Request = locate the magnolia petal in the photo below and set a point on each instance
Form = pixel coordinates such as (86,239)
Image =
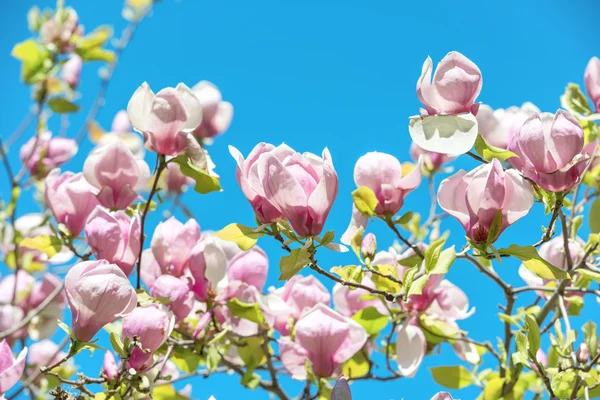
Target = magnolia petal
(192,106)
(139,106)
(445,134)
(410,349)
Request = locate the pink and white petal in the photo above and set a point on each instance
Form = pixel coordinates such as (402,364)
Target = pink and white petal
(445,134)
(144,175)
(410,349)
(192,105)
(518,196)
(325,192)
(168,116)
(566,138)
(280,186)
(222,119)
(139,106)
(451,197)
(293,358)
(425,91)
(356,222)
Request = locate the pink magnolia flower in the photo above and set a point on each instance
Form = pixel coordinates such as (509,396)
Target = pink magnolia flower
(341,390)
(71,70)
(280,182)
(442,396)
(150,269)
(250,267)
(592,81)
(456,84)
(61,32)
(410,349)
(216,113)
(165,119)
(117,173)
(114,237)
(326,338)
(98,293)
(421,302)
(583,353)
(348,301)
(121,133)
(24,285)
(541,358)
(172,244)
(11,369)
(177,291)
(110,367)
(550,149)
(368,246)
(175,181)
(382,173)
(120,123)
(45,323)
(203,322)
(430,159)
(70,198)
(300,293)
(208,266)
(11,315)
(450,303)
(46,153)
(475,197)
(152,325)
(45,353)
(497,127)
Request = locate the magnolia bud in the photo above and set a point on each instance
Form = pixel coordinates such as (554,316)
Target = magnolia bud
(583,354)
(368,247)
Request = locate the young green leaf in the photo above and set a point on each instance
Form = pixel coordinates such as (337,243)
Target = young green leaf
(249,311)
(291,264)
(456,377)
(371,319)
(489,152)
(365,200)
(239,234)
(534,262)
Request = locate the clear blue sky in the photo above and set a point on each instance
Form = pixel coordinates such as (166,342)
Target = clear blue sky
(340,74)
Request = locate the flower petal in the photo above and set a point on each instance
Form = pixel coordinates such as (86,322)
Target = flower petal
(445,134)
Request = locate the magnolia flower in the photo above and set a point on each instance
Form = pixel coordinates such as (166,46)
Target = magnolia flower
(368,246)
(172,244)
(150,270)
(165,119)
(152,325)
(175,181)
(60,29)
(114,237)
(44,153)
(442,396)
(117,173)
(497,127)
(450,303)
(71,70)
(70,198)
(10,316)
(44,324)
(23,286)
(592,81)
(550,150)
(474,199)
(110,367)
(324,337)
(98,293)
(250,267)
(216,114)
(45,353)
(11,369)
(121,133)
(280,182)
(177,291)
(382,173)
(349,301)
(208,266)
(410,349)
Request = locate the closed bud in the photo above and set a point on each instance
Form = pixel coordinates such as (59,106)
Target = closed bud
(368,248)
(583,353)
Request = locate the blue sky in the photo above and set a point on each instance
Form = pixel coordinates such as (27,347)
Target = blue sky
(340,74)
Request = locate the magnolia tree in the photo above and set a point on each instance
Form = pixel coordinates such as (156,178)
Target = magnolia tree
(179,303)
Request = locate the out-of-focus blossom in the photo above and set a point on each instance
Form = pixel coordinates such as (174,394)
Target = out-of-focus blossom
(59,30)
(349,301)
(216,113)
(497,127)
(180,297)
(42,154)
(474,199)
(250,267)
(451,303)
(172,244)
(592,81)
(11,369)
(117,173)
(71,70)
(175,181)
(121,133)
(430,159)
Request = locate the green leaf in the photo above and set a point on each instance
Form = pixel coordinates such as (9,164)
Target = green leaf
(250,351)
(365,200)
(205,183)
(357,366)
(350,273)
(383,283)
(432,254)
(117,344)
(408,278)
(98,37)
(97,54)
(417,286)
(594,217)
(164,392)
(521,356)
(49,245)
(404,219)
(456,377)
(212,358)
(590,337)
(445,261)
(495,228)
(493,389)
(436,330)
(35,58)
(186,360)
(356,241)
(292,264)
(239,234)
(371,319)
(533,334)
(60,105)
(67,330)
(250,379)
(490,152)
(249,311)
(534,262)
(577,222)
(574,100)
(562,384)
(327,238)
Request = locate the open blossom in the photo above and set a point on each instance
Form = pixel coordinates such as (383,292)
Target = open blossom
(324,337)
(280,182)
(115,237)
(300,294)
(216,113)
(180,297)
(498,126)
(442,396)
(550,149)
(592,81)
(456,84)
(250,267)
(11,369)
(98,293)
(431,159)
(474,199)
(451,303)
(152,325)
(71,70)
(70,198)
(44,154)
(172,244)
(382,173)
(117,173)
(165,119)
